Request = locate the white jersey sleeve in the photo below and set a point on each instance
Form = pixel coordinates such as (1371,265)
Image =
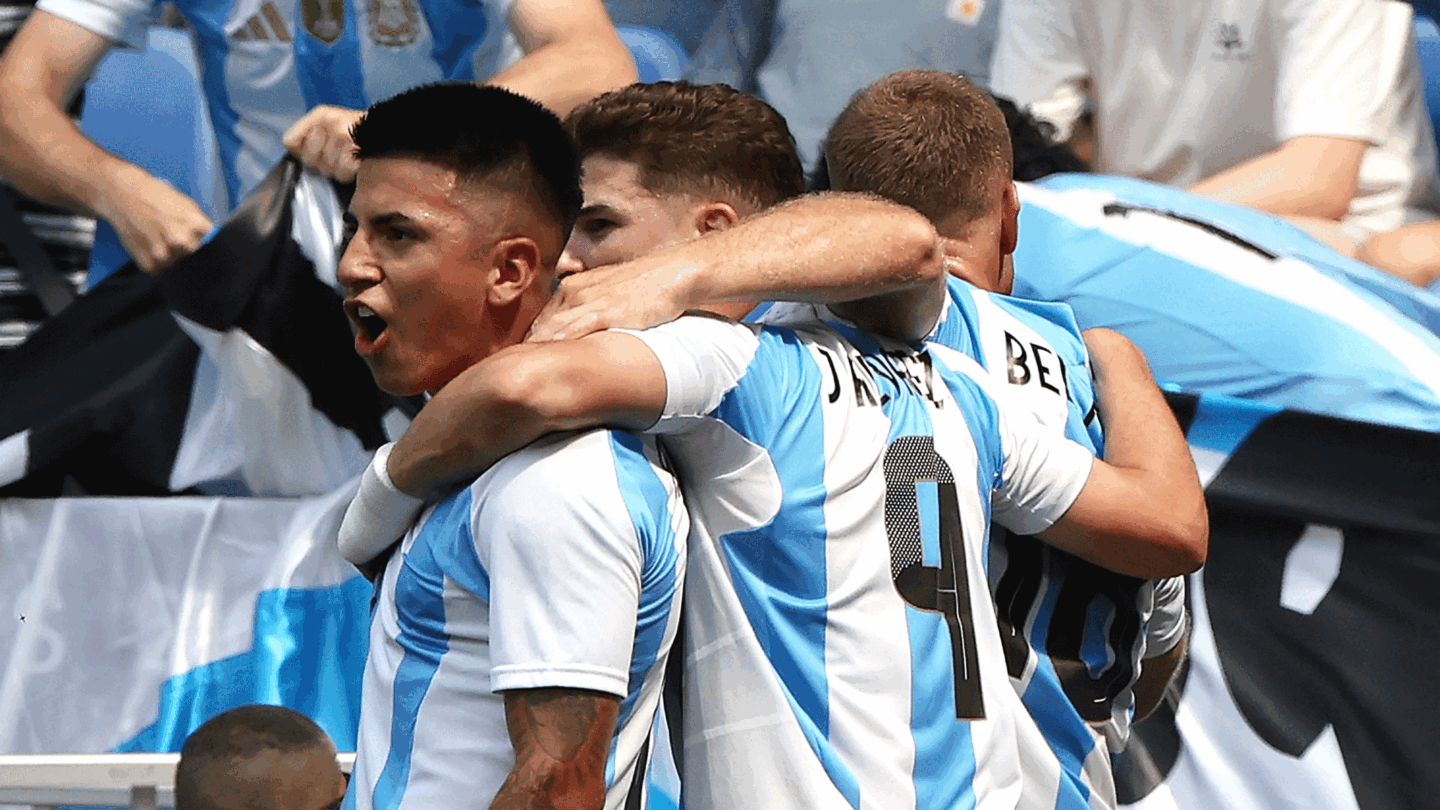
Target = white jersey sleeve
(1042,476)
(120,21)
(1166,623)
(703,358)
(564,568)
(1041,473)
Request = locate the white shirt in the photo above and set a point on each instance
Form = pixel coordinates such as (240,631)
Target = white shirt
(1184,90)
(265,63)
(820,476)
(560,567)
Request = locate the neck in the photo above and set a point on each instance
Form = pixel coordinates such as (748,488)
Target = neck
(973,252)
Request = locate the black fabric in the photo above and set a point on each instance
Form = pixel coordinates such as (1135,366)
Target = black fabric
(1329,470)
(105,386)
(1364,659)
(254,277)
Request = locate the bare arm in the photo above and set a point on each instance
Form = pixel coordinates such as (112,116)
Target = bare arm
(1308,175)
(44,155)
(572,53)
(561,739)
(1142,510)
(824,248)
(1155,677)
(516,396)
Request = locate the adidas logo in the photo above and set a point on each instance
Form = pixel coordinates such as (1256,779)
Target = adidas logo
(267,25)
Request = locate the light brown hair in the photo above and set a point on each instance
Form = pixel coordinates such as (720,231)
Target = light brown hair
(709,140)
(925,139)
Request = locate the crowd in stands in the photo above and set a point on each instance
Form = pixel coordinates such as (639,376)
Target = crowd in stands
(1248,193)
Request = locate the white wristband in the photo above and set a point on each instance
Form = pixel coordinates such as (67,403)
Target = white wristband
(1167,617)
(379,515)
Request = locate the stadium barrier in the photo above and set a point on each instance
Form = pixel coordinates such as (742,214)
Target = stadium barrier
(137,781)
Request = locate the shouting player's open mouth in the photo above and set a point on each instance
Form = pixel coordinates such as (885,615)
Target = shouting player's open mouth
(370,328)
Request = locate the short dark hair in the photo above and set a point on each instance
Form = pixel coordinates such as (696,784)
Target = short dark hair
(1037,154)
(922,138)
(239,734)
(486,134)
(688,138)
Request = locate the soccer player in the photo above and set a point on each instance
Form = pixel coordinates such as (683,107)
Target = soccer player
(935,143)
(522,627)
(841,643)
(278,75)
(258,758)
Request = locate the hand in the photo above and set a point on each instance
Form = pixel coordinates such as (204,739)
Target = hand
(157,225)
(629,295)
(321,140)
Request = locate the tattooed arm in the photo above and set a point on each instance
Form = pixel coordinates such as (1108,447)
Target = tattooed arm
(561,739)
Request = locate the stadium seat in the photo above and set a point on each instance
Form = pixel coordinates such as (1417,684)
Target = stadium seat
(1427,37)
(658,56)
(146,106)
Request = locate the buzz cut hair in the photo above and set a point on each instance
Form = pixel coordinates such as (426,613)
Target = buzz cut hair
(697,140)
(922,138)
(239,734)
(487,135)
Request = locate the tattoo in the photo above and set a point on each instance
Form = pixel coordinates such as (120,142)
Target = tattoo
(561,739)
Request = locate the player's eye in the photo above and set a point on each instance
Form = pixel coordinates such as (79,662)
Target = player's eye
(596,227)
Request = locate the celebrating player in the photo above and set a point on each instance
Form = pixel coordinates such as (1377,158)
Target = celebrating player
(522,628)
(841,642)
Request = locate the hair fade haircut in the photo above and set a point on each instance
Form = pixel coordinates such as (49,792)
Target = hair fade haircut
(694,139)
(486,134)
(239,734)
(923,138)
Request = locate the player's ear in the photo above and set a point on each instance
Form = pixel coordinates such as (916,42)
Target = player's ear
(714,216)
(1010,218)
(515,264)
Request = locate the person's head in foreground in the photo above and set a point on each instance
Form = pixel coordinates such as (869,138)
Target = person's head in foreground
(670,161)
(258,758)
(463,202)
(934,142)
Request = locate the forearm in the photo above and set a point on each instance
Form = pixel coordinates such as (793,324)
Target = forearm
(1311,176)
(42,152)
(1164,514)
(561,738)
(520,394)
(565,74)
(821,248)
(1155,676)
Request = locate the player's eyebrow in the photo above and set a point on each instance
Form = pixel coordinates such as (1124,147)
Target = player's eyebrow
(598,208)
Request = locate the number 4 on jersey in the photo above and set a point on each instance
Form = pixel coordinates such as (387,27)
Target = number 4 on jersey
(910,461)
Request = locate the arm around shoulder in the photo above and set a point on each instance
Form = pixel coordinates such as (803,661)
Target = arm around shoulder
(1142,510)
(518,395)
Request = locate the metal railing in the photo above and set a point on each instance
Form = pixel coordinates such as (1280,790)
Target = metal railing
(137,781)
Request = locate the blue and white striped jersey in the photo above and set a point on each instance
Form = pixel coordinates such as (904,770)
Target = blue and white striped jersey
(1073,667)
(841,650)
(1232,302)
(265,63)
(561,566)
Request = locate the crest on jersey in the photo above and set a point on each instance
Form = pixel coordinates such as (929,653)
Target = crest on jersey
(324,19)
(393,23)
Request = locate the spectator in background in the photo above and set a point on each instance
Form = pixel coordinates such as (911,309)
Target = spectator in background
(258,758)
(808,57)
(278,75)
(1309,109)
